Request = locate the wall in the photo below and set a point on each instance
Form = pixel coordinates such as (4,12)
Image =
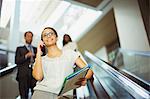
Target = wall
(130,25)
(102,34)
(144,7)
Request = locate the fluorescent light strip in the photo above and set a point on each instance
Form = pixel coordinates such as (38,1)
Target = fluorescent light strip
(57,14)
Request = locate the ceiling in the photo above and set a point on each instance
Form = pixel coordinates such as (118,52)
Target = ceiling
(74,17)
(93,3)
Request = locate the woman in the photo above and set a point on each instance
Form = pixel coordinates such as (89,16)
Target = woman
(51,69)
(68,43)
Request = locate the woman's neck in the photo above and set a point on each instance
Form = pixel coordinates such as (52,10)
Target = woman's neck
(54,51)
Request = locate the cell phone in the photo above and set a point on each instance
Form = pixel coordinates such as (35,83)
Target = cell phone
(43,49)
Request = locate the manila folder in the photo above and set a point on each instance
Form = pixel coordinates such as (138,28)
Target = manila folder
(71,80)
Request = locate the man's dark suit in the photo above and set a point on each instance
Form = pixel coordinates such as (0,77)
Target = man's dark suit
(24,74)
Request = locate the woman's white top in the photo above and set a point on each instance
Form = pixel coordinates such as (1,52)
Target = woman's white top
(70,45)
(55,70)
(73,46)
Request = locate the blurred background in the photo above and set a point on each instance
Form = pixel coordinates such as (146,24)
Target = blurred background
(116,31)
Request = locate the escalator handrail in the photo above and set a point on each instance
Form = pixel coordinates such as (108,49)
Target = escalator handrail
(7,68)
(131,52)
(123,71)
(136,77)
(133,88)
(2,71)
(6,50)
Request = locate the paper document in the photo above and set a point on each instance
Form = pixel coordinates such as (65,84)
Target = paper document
(71,80)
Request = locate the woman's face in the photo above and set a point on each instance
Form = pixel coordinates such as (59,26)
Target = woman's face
(49,37)
(66,38)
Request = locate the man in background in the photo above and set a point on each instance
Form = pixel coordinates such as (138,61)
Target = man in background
(24,58)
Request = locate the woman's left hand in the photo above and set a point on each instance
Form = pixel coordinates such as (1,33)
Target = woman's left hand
(82,82)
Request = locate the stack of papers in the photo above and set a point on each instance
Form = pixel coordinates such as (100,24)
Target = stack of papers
(71,80)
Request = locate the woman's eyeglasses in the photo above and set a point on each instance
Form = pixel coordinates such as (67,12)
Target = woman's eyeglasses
(48,34)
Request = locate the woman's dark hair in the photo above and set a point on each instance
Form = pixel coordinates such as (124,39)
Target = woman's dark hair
(65,42)
(28,32)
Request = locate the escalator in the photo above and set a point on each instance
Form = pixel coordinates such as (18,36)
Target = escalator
(135,63)
(111,82)
(8,83)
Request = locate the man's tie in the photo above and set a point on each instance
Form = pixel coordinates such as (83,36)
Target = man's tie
(31,59)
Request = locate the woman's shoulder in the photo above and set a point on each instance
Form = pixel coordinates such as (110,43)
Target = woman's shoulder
(68,52)
(73,44)
(70,45)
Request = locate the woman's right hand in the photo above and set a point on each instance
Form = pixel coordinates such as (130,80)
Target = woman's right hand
(40,45)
